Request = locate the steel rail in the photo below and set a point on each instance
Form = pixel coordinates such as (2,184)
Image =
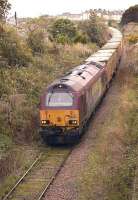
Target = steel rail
(22,178)
(54,176)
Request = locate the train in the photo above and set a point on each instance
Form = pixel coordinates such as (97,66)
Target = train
(68,103)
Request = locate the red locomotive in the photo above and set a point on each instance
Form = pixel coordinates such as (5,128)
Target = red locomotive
(68,103)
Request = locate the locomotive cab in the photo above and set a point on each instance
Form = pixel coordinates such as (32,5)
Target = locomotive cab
(59,114)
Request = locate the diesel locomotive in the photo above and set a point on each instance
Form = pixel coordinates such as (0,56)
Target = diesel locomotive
(67,104)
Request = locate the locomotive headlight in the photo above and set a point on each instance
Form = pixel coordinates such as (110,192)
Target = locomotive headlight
(73,122)
(45,122)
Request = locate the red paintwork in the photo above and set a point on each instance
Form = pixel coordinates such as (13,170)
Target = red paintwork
(75,83)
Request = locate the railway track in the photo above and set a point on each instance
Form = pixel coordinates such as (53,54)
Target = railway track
(36,181)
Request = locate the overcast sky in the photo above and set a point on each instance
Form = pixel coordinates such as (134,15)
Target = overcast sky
(32,8)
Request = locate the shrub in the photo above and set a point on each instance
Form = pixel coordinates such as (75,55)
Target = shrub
(130,15)
(133,38)
(63,39)
(13,48)
(81,38)
(63,31)
(36,41)
(95,30)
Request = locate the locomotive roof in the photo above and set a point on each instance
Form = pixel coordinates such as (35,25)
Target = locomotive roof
(116,35)
(107,50)
(115,39)
(112,45)
(114,31)
(98,58)
(101,56)
(104,54)
(77,79)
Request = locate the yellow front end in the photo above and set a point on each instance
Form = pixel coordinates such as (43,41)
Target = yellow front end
(60,118)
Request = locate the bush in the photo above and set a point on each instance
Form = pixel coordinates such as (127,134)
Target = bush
(95,30)
(63,31)
(133,39)
(63,39)
(130,15)
(81,38)
(36,41)
(13,48)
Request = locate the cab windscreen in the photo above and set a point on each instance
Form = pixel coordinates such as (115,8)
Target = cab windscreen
(59,99)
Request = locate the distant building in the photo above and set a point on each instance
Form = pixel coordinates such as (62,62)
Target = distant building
(85,15)
(71,16)
(105,14)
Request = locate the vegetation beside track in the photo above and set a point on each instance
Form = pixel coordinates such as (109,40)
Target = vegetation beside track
(47,162)
(30,59)
(111,166)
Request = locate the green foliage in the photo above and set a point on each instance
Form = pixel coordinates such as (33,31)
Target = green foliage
(130,15)
(13,48)
(5,142)
(63,31)
(4,7)
(36,41)
(133,38)
(81,38)
(95,30)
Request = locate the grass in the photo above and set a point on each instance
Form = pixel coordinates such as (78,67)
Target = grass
(5,143)
(7,185)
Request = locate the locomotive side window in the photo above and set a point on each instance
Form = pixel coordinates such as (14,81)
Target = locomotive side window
(59,99)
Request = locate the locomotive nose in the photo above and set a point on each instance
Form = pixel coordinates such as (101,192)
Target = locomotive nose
(59,118)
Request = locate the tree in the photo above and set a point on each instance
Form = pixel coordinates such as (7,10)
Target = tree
(63,31)
(95,29)
(4,7)
(130,15)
